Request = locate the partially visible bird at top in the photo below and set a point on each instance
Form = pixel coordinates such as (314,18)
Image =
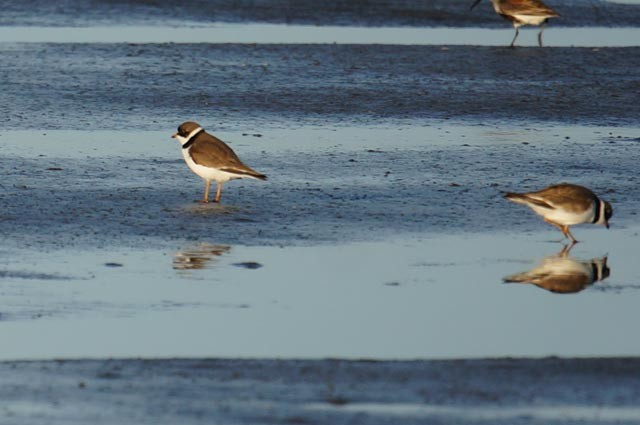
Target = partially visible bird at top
(523,12)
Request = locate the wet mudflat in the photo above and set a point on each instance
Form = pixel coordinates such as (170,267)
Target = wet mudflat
(332,12)
(585,391)
(73,189)
(152,86)
(380,234)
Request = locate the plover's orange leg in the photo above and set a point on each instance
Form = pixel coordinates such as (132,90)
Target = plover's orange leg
(559,226)
(567,233)
(515,36)
(540,35)
(205,198)
(218,193)
(566,250)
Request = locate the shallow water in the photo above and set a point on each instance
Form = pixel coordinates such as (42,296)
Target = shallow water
(492,414)
(253,33)
(428,296)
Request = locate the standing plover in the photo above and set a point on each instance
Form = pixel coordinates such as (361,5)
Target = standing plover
(211,158)
(564,205)
(523,12)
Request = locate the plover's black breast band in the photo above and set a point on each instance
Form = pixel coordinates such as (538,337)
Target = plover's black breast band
(595,272)
(191,140)
(596,216)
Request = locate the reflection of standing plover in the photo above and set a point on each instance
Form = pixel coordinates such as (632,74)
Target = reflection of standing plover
(198,257)
(564,205)
(211,159)
(523,12)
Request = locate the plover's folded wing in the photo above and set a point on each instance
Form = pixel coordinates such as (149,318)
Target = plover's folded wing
(553,281)
(527,199)
(566,196)
(209,151)
(527,7)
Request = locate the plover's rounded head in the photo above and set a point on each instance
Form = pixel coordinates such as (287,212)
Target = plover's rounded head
(186,128)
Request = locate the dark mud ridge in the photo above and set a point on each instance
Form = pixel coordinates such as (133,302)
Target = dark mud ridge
(503,391)
(331,12)
(146,87)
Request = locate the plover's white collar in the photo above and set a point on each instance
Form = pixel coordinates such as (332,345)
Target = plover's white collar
(184,140)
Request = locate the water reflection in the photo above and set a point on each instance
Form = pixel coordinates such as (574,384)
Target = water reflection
(562,274)
(198,257)
(197,208)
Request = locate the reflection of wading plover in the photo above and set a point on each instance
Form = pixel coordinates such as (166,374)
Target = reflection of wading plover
(564,205)
(211,159)
(562,274)
(523,12)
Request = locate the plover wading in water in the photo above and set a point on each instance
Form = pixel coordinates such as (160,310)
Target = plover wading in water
(564,205)
(523,12)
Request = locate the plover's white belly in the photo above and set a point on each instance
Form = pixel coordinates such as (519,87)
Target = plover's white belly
(207,173)
(567,218)
(530,20)
(564,266)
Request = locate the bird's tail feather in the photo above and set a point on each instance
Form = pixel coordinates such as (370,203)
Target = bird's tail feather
(517,278)
(518,198)
(248,173)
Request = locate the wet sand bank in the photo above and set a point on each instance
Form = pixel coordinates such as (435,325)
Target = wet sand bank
(500,391)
